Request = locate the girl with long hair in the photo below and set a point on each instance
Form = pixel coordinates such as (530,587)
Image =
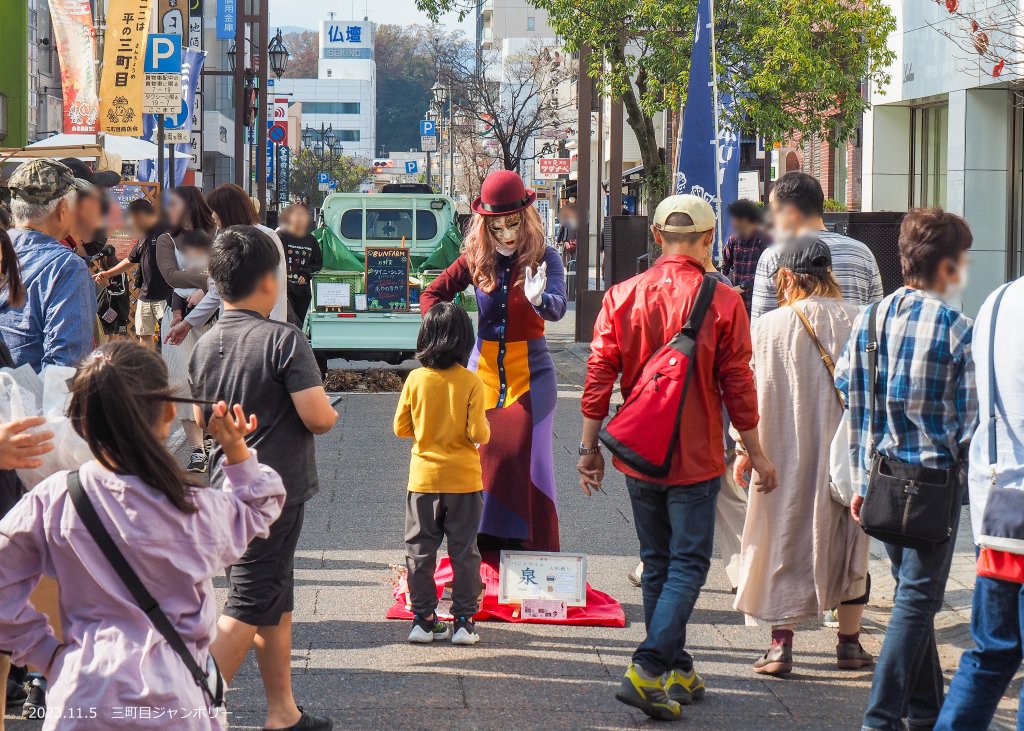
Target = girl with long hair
(232,206)
(520,284)
(186,210)
(174,534)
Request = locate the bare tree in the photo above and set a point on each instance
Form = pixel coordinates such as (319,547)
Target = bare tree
(475,156)
(513,96)
(990,34)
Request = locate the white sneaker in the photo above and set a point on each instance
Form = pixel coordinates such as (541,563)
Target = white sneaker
(465,632)
(636,575)
(425,631)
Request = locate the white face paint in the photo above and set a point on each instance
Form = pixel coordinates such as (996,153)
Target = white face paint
(504,231)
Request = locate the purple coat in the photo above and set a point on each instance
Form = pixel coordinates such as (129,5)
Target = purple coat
(117,670)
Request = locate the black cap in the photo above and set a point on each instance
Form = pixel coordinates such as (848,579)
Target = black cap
(106,179)
(807,254)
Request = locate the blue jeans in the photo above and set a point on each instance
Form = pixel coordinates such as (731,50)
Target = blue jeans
(676,528)
(908,680)
(987,669)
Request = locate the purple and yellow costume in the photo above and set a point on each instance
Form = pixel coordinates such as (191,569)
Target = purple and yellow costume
(511,357)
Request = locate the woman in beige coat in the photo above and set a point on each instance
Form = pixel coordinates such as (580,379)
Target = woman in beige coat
(802,553)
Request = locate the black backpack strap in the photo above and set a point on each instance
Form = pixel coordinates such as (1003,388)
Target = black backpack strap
(86,511)
(705,294)
(992,390)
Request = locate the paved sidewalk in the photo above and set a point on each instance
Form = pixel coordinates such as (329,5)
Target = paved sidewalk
(352,664)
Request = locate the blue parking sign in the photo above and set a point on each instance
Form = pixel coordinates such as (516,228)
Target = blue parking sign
(412,167)
(323,178)
(333,185)
(163,54)
(428,128)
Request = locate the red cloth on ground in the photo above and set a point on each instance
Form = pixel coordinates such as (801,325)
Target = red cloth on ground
(601,610)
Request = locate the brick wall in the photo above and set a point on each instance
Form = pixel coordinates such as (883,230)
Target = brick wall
(816,156)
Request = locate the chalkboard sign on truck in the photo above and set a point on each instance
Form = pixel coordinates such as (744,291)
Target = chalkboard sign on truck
(387,279)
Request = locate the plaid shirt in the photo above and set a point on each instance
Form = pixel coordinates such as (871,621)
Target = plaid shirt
(739,262)
(853,266)
(925,382)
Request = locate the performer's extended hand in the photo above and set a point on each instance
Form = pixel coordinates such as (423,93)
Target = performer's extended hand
(591,469)
(536,283)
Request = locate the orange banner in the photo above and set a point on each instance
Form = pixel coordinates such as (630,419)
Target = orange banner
(124,54)
(76,47)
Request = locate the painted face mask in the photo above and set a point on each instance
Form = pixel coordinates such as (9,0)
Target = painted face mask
(505,231)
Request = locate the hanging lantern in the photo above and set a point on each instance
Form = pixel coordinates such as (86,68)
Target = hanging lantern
(952,5)
(998,68)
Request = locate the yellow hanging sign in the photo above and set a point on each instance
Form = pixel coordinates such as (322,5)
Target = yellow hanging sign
(124,55)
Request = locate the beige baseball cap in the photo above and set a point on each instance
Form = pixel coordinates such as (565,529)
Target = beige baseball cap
(698,209)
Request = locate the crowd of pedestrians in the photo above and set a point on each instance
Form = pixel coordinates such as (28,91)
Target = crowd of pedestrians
(827,384)
(814,412)
(211,281)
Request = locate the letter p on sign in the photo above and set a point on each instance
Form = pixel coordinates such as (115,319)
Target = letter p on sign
(163,54)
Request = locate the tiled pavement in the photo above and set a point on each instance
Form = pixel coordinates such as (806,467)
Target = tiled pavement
(352,664)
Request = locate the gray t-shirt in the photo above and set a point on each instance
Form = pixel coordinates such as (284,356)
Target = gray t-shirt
(259,363)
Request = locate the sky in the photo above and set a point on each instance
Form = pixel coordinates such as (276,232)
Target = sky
(309,13)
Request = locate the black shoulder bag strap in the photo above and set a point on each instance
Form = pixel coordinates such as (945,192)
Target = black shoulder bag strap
(705,294)
(992,389)
(87,512)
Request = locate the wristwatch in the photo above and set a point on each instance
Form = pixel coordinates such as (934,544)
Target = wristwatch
(585,450)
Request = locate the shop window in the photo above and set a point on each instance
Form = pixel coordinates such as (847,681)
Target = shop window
(928,165)
(839,173)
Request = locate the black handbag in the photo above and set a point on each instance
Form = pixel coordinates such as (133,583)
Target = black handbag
(906,505)
(210,681)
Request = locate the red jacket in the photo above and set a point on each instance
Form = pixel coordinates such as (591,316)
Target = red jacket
(639,316)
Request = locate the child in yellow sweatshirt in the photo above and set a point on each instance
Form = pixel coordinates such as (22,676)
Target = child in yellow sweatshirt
(442,409)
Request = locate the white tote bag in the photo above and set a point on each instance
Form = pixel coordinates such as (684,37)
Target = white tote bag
(840,479)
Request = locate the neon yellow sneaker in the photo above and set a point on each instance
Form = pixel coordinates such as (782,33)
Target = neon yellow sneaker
(647,695)
(684,688)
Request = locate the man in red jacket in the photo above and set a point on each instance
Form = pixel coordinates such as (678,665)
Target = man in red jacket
(675,514)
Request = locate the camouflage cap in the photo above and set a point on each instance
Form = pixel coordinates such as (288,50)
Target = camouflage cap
(44,180)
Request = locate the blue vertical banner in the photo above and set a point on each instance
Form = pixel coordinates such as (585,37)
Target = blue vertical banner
(707,162)
(227,19)
(192,61)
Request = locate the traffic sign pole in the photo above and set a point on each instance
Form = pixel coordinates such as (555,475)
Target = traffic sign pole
(160,148)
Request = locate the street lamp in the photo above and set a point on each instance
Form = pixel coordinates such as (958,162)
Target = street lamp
(438,93)
(278,54)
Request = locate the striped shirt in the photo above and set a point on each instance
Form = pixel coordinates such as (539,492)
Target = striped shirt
(925,383)
(853,266)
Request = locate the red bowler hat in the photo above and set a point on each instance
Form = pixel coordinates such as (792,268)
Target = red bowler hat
(502,193)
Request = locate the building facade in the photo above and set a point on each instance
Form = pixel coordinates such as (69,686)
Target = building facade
(497,20)
(344,94)
(947,132)
(31,102)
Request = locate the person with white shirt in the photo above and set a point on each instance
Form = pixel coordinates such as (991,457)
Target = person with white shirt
(798,207)
(997,613)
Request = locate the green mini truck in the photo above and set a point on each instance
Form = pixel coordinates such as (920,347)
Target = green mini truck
(380,251)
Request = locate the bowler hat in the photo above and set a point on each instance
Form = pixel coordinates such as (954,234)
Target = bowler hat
(502,193)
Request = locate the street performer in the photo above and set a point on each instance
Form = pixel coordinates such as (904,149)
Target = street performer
(520,284)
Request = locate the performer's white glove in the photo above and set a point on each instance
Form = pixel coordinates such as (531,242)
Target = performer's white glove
(536,283)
